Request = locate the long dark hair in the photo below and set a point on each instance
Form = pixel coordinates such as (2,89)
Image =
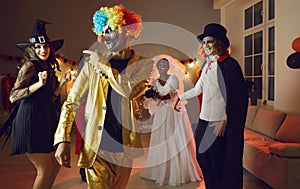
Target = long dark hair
(219,47)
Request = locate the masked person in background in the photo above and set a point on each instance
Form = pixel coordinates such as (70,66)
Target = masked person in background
(36,93)
(220,130)
(105,83)
(171,157)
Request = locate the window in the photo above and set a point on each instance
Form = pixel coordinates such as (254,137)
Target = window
(259,49)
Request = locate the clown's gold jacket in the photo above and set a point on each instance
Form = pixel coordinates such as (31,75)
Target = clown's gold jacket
(90,89)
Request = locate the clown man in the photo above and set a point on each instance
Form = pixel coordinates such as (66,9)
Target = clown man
(106,84)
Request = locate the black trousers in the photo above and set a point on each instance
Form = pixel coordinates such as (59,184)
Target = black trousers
(210,155)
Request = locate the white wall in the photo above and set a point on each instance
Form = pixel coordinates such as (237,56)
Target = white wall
(287,28)
(232,19)
(287,83)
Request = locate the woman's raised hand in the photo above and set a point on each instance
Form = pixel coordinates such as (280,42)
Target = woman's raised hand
(42,77)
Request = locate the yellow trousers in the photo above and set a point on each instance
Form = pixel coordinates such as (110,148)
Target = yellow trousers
(109,171)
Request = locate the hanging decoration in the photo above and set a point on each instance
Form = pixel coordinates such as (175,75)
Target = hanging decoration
(187,61)
(20,59)
(11,58)
(67,61)
(296,44)
(293,60)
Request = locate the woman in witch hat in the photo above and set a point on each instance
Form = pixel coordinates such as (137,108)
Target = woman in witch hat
(36,91)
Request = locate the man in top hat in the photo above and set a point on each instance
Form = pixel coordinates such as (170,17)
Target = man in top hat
(106,85)
(220,130)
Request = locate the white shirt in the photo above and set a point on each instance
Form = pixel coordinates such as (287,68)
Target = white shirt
(213,104)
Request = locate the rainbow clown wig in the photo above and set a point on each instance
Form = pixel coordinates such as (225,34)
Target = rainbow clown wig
(117,17)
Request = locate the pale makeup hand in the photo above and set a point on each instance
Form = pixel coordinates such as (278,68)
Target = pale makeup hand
(220,127)
(96,57)
(99,61)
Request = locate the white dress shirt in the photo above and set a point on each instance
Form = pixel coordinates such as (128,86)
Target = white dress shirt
(213,104)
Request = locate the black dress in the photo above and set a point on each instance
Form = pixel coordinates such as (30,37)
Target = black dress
(36,120)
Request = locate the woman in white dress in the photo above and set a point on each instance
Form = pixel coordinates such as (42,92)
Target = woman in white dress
(172,153)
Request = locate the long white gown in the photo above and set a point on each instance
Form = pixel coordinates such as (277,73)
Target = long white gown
(172,153)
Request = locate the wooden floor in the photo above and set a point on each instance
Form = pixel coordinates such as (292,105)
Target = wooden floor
(16,172)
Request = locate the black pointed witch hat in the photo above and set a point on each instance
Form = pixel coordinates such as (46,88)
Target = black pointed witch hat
(39,35)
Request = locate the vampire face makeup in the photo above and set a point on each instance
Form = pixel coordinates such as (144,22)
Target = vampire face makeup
(208,45)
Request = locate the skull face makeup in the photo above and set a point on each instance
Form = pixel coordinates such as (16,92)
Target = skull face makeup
(163,66)
(113,40)
(208,45)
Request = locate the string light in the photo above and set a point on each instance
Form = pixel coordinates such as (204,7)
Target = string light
(58,58)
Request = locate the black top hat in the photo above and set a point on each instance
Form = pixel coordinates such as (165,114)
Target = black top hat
(39,35)
(215,30)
